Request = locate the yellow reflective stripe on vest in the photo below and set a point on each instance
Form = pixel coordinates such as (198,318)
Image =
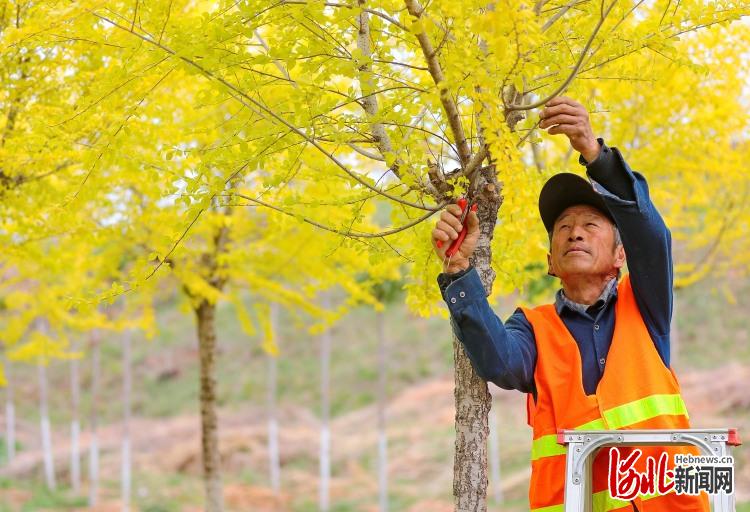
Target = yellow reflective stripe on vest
(616,418)
(644,409)
(602,501)
(552,508)
(597,424)
(546,446)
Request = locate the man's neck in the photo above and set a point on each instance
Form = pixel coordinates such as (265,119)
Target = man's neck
(587,289)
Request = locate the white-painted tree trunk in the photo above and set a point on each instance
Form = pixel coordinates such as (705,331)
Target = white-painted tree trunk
(325,409)
(10,414)
(75,426)
(94,420)
(674,337)
(274,463)
(127,392)
(46,430)
(382,401)
(495,454)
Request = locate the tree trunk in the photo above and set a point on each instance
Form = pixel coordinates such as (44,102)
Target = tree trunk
(382,401)
(472,397)
(94,421)
(75,427)
(49,463)
(495,455)
(10,414)
(127,387)
(273,424)
(325,407)
(206,323)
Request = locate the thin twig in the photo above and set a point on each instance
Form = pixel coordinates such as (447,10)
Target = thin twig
(244,98)
(350,233)
(574,72)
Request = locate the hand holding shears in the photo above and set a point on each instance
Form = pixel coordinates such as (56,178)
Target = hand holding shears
(458,226)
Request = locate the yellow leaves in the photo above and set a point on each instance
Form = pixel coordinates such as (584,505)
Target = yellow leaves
(40,348)
(246,322)
(269,346)
(147,145)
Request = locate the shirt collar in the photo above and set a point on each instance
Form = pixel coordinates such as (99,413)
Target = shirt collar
(609,292)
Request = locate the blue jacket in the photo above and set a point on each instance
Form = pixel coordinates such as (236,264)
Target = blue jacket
(505,354)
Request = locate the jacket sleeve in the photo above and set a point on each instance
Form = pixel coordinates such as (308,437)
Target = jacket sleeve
(504,354)
(645,237)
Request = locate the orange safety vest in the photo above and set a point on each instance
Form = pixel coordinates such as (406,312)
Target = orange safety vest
(636,391)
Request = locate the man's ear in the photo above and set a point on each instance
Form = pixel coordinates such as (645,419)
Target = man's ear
(549,266)
(619,257)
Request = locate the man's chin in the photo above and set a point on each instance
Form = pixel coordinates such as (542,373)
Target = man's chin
(574,270)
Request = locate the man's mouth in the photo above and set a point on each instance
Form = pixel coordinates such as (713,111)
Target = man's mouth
(576,250)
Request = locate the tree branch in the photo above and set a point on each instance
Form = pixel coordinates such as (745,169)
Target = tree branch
(559,14)
(451,110)
(350,6)
(368,87)
(349,233)
(247,100)
(574,72)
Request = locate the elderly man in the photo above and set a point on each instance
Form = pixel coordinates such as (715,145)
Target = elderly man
(598,358)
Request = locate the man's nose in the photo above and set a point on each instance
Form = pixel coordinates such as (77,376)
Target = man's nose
(576,234)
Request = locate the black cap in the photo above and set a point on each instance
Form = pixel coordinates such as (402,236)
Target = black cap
(563,191)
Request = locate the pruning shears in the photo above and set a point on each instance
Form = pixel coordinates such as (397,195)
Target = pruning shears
(467,205)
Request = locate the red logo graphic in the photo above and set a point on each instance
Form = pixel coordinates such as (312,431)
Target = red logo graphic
(626,483)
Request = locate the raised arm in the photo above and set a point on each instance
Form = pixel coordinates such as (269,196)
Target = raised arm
(645,237)
(647,240)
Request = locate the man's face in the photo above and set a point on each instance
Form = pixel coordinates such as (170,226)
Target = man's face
(583,245)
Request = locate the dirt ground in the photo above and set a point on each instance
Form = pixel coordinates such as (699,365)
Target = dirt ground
(420,423)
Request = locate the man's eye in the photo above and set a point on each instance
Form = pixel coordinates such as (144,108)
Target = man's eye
(592,224)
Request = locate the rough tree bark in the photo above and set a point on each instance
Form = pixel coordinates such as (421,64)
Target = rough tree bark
(205,315)
(473,400)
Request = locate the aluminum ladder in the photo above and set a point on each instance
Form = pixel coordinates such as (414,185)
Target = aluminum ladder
(583,445)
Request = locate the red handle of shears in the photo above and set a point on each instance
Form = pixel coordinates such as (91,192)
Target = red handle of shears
(462,234)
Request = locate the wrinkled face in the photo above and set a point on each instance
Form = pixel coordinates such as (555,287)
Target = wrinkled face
(583,244)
